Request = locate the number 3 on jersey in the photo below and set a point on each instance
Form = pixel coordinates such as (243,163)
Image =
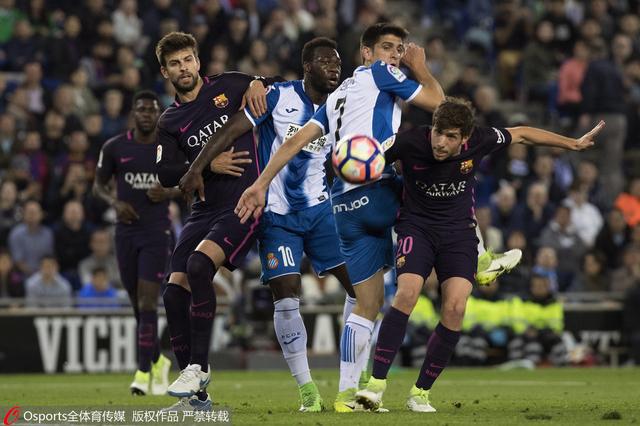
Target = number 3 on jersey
(287,256)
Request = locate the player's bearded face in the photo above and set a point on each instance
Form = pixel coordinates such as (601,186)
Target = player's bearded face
(446,143)
(182,69)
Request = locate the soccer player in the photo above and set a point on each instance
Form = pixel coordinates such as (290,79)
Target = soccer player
(298,212)
(436,229)
(212,236)
(142,231)
(367,103)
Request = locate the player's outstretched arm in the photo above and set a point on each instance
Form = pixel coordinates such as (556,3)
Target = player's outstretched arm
(535,136)
(431,94)
(253,199)
(192,180)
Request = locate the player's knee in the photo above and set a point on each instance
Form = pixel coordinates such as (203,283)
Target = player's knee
(148,303)
(200,266)
(453,310)
(285,287)
(406,298)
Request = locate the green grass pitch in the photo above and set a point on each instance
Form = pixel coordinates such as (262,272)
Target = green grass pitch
(569,396)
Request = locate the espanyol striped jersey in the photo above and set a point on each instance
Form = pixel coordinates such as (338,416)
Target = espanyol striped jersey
(368,103)
(302,182)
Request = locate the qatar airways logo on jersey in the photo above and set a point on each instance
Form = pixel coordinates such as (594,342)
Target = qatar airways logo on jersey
(141,180)
(443,189)
(203,134)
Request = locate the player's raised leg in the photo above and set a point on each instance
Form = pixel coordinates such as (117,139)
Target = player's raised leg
(491,265)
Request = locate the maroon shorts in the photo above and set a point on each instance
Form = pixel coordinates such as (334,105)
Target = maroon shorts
(142,255)
(451,253)
(221,227)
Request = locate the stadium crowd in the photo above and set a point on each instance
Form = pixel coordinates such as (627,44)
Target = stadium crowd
(69,71)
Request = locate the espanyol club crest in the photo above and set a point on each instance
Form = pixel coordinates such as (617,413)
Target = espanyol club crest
(221,101)
(466,166)
(272,261)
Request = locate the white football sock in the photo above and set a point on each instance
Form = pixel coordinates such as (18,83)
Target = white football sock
(292,336)
(354,350)
(349,304)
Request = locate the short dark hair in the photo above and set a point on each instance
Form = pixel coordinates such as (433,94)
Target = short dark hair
(454,113)
(371,35)
(145,94)
(99,270)
(309,48)
(174,42)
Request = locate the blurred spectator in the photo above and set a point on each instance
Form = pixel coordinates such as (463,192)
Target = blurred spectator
(7,140)
(443,67)
(84,102)
(629,203)
(30,241)
(18,107)
(514,167)
(236,40)
(9,15)
(113,122)
(598,11)
(101,257)
(64,51)
(485,99)
(165,9)
(64,104)
(91,14)
(38,161)
(570,79)
(587,176)
(47,288)
(503,205)
(585,217)
(562,236)
(544,173)
(257,55)
(127,26)
(630,26)
(515,282)
(613,237)
(466,84)
(627,276)
(11,279)
(539,338)
(32,83)
(71,241)
(539,64)
(564,32)
(10,211)
(546,265)
(491,235)
(23,47)
(53,132)
(98,292)
(512,29)
(535,213)
(592,275)
(602,92)
(93,129)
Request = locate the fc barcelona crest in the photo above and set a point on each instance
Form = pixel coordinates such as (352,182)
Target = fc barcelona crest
(466,166)
(221,101)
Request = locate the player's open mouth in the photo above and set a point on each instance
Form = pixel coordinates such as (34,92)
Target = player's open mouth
(333,78)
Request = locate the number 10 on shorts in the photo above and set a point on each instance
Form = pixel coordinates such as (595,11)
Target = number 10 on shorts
(287,256)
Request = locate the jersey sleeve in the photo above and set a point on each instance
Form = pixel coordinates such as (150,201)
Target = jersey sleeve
(273,95)
(170,160)
(392,80)
(106,164)
(320,119)
(492,139)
